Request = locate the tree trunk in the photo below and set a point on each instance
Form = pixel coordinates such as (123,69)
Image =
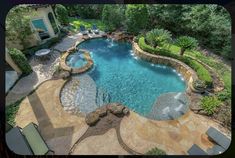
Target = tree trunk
(182,51)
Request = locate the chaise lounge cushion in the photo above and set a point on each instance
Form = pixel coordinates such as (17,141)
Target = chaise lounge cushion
(17,143)
(35,140)
(196,150)
(218,137)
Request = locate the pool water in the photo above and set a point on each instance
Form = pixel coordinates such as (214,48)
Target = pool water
(76,60)
(128,79)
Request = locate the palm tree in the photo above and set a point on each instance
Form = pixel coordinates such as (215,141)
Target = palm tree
(186,43)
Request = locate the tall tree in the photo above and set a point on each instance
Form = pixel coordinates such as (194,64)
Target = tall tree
(136,17)
(18,24)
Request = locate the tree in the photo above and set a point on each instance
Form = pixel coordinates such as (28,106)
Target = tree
(89,11)
(158,37)
(113,16)
(62,14)
(136,17)
(186,43)
(18,24)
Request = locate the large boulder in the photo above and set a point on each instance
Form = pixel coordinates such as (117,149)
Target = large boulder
(102,111)
(115,108)
(92,118)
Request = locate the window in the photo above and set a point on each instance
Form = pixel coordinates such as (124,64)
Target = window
(41,28)
(53,23)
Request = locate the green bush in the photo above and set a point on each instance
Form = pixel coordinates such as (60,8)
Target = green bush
(224,95)
(158,37)
(209,104)
(202,72)
(11,111)
(186,43)
(20,59)
(62,14)
(155,151)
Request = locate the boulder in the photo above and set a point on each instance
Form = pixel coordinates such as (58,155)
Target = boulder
(92,118)
(65,74)
(125,111)
(102,111)
(115,108)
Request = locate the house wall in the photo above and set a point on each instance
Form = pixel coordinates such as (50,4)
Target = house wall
(34,39)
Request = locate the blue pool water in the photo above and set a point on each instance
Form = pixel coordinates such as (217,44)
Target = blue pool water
(128,79)
(76,60)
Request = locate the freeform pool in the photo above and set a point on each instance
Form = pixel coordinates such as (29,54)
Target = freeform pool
(126,78)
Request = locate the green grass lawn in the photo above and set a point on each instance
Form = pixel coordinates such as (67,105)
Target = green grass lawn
(76,23)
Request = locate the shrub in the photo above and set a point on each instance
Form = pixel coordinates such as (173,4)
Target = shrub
(158,37)
(11,111)
(20,59)
(155,151)
(224,95)
(202,72)
(186,43)
(62,14)
(199,84)
(209,104)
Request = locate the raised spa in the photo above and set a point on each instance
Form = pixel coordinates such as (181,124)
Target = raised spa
(127,79)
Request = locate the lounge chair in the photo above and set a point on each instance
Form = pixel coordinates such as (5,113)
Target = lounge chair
(83,30)
(95,29)
(215,150)
(196,150)
(218,138)
(27,141)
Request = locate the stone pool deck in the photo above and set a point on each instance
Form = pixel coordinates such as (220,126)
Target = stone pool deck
(61,130)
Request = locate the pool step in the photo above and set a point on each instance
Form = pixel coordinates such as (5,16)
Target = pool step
(102,97)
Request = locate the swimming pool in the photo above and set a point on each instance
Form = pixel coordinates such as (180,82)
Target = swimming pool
(128,79)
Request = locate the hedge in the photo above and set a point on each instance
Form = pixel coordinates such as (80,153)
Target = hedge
(202,72)
(20,60)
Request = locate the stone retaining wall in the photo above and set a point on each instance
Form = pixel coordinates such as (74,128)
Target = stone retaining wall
(187,72)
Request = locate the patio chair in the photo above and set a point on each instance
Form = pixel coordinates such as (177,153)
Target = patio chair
(83,30)
(27,141)
(218,137)
(196,150)
(95,29)
(215,150)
